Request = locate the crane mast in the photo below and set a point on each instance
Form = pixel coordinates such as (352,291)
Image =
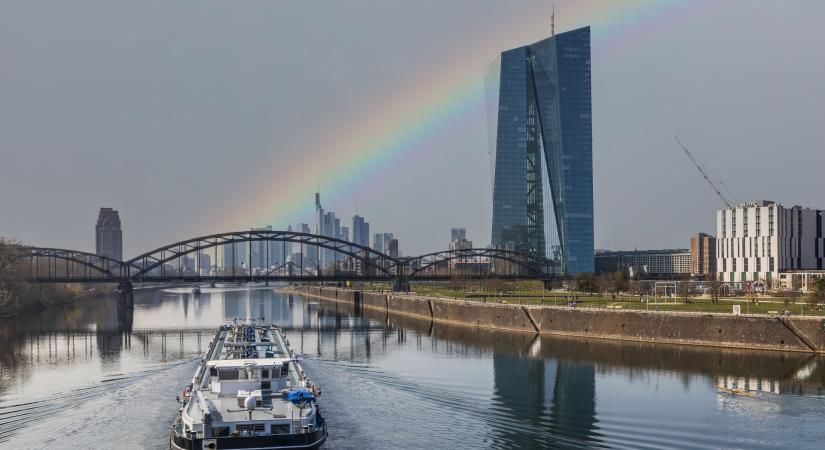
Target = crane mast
(704,175)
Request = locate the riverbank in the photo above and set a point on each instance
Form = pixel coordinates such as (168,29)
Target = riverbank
(762,332)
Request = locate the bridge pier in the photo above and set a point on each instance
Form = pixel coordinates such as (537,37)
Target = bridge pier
(126,297)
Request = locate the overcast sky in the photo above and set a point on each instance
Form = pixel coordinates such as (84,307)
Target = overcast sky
(175,113)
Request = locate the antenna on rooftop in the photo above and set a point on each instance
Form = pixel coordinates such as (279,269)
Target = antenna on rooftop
(553,21)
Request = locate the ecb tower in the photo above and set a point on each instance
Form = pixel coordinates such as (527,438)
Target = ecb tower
(542,156)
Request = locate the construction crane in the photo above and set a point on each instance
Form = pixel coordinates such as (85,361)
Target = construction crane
(702,171)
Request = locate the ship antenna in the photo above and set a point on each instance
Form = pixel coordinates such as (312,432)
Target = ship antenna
(553,21)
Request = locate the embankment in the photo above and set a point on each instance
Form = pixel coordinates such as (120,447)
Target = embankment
(762,332)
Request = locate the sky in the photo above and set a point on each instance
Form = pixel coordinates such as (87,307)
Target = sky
(199,117)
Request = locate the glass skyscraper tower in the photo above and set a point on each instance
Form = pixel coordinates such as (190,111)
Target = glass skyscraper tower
(543,155)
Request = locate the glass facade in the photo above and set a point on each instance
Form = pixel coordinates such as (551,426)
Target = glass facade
(543,156)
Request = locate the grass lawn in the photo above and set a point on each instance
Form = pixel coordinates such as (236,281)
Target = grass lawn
(763,305)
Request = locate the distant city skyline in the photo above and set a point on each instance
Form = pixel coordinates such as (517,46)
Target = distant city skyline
(183,144)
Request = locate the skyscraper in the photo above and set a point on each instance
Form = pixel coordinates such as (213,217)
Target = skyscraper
(108,234)
(378,242)
(360,231)
(391,248)
(458,234)
(543,158)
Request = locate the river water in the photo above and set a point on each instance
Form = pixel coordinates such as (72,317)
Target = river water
(93,375)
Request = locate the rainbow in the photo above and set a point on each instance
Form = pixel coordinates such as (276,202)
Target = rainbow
(368,142)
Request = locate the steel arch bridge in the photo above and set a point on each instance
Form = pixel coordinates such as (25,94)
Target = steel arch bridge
(167,264)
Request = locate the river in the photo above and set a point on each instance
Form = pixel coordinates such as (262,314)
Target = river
(96,375)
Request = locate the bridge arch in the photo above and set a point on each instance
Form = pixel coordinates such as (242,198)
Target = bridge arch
(108,268)
(158,258)
(535,265)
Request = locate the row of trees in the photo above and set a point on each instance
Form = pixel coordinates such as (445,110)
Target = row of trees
(612,283)
(18,295)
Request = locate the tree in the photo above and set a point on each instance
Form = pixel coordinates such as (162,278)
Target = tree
(817,295)
(715,288)
(585,282)
(683,290)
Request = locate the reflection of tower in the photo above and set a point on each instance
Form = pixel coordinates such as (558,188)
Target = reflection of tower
(108,329)
(574,402)
(545,397)
(519,389)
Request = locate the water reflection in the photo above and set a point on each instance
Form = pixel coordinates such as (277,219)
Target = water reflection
(388,377)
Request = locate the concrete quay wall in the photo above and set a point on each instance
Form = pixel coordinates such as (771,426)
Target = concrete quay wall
(715,330)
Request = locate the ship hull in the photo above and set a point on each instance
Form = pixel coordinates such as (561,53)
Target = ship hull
(307,441)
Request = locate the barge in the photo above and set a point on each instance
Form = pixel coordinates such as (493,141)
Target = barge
(249,392)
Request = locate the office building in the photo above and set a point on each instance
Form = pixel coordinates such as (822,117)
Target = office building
(378,242)
(344,234)
(703,255)
(458,239)
(391,248)
(764,242)
(260,251)
(543,155)
(108,234)
(360,231)
(667,263)
(458,234)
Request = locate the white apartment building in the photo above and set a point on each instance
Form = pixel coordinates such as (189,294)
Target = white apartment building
(758,241)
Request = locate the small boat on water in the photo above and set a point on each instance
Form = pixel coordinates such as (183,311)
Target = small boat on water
(249,392)
(196,290)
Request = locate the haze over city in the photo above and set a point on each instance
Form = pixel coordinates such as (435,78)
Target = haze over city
(199,117)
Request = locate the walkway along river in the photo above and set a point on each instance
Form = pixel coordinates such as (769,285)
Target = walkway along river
(93,374)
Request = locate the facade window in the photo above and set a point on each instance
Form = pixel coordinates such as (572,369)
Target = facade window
(758,221)
(745,222)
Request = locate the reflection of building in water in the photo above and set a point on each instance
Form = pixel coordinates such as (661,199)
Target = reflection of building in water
(544,397)
(113,327)
(749,384)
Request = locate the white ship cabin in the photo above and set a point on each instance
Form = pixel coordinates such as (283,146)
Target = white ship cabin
(237,393)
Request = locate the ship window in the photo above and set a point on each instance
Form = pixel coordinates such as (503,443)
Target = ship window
(213,371)
(280,429)
(228,375)
(264,373)
(284,369)
(220,431)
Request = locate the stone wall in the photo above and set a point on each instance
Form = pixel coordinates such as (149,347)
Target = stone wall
(715,330)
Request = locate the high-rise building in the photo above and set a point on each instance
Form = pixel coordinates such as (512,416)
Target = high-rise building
(458,234)
(360,231)
(543,155)
(235,255)
(205,264)
(260,251)
(108,234)
(378,242)
(703,255)
(391,248)
(764,241)
(311,253)
(345,234)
